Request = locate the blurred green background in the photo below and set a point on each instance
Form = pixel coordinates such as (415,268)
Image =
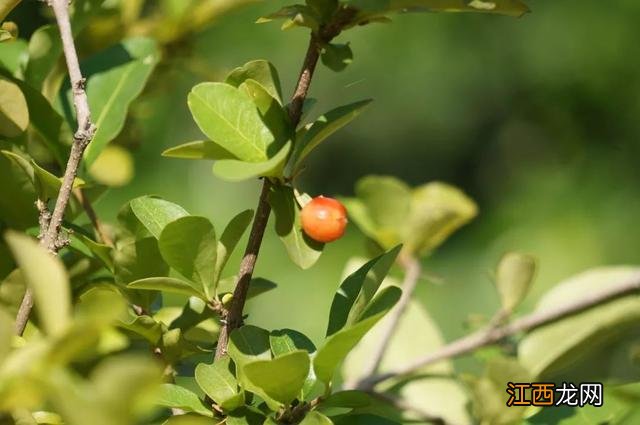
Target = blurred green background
(537,119)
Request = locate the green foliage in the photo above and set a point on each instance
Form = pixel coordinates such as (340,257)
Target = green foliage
(389,212)
(514,276)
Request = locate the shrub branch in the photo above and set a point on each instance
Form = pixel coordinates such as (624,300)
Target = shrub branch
(495,334)
(50,237)
(233,317)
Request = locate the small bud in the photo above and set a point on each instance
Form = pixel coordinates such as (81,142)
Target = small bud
(226,299)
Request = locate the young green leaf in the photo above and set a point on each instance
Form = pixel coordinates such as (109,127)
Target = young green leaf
(46,276)
(338,345)
(47,185)
(230,118)
(115,77)
(200,149)
(178,397)
(336,57)
(262,72)
(257,286)
(297,15)
(514,276)
(155,213)
(302,250)
(324,127)
(169,284)
(234,170)
(230,238)
(218,381)
(14,113)
(272,113)
(146,327)
(285,341)
(282,377)
(189,245)
(357,290)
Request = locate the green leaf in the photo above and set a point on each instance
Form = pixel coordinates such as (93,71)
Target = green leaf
(514,276)
(363,420)
(595,345)
(285,341)
(281,378)
(437,210)
(115,77)
(324,127)
(316,418)
(114,167)
(297,15)
(146,327)
(249,343)
(17,193)
(155,213)
(6,6)
(169,284)
(138,259)
(230,238)
(350,399)
(357,290)
(47,185)
(46,277)
(302,250)
(96,250)
(257,286)
(218,381)
(229,117)
(274,116)
(246,416)
(175,396)
(14,113)
(262,72)
(338,345)
(189,245)
(234,170)
(337,57)
(201,149)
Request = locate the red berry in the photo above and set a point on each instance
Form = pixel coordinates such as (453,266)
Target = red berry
(324,219)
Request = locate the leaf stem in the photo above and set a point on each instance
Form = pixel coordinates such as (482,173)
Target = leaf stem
(494,334)
(51,238)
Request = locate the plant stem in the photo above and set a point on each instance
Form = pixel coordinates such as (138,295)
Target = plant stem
(493,335)
(51,239)
(233,318)
(413,270)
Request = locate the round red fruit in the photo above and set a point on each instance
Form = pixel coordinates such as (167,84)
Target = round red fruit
(324,219)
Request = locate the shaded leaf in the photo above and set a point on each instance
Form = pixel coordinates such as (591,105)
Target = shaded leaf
(230,238)
(188,244)
(262,72)
(169,284)
(302,250)
(337,56)
(316,418)
(235,170)
(257,286)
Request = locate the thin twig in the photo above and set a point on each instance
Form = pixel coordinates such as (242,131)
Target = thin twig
(51,238)
(400,404)
(413,270)
(233,317)
(528,323)
(103,236)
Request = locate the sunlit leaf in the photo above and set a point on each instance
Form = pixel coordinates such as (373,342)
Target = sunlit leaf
(218,381)
(14,113)
(155,213)
(169,284)
(235,170)
(282,377)
(261,71)
(514,276)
